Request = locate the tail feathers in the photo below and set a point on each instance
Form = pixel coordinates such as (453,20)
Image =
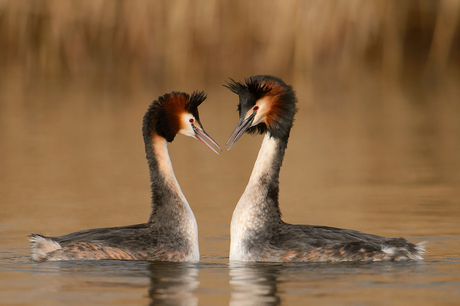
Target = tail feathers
(399,249)
(42,246)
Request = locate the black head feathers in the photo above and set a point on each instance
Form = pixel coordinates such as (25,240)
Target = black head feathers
(162,117)
(281,107)
(250,87)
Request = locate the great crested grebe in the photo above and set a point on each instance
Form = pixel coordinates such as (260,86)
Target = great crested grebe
(267,106)
(171,233)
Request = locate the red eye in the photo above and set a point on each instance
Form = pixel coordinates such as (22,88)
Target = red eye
(191,120)
(255,108)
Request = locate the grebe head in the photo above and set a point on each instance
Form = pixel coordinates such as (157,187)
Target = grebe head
(177,113)
(266,104)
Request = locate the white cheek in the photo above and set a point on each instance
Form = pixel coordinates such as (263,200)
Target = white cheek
(186,125)
(258,119)
(263,105)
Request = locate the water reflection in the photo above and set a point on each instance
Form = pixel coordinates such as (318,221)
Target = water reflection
(310,283)
(73,159)
(173,284)
(254,284)
(159,283)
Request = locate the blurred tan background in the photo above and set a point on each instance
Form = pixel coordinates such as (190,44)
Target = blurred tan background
(190,43)
(375,145)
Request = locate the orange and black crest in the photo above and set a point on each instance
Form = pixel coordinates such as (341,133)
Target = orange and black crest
(163,115)
(282,106)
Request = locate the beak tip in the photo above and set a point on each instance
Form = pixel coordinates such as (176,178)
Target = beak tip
(240,129)
(202,136)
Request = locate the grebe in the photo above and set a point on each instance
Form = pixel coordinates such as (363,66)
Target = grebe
(267,106)
(171,233)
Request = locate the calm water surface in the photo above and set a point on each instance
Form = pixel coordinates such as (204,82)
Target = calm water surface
(384,161)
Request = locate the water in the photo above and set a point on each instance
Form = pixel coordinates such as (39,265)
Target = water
(379,161)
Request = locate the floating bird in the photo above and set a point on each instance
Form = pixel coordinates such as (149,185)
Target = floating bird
(171,233)
(267,106)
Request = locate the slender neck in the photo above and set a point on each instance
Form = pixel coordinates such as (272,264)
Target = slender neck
(263,188)
(167,196)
